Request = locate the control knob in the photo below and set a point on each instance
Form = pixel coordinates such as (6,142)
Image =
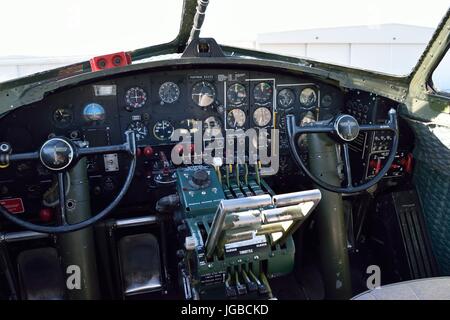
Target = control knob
(200,178)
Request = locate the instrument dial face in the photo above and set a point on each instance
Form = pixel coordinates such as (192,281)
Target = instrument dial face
(327,100)
(262,116)
(212,125)
(286,98)
(135,98)
(93,112)
(308,98)
(63,117)
(163,130)
(203,93)
(236,118)
(139,128)
(188,125)
(169,92)
(262,92)
(236,94)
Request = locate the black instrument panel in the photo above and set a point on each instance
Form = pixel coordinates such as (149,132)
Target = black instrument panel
(155,104)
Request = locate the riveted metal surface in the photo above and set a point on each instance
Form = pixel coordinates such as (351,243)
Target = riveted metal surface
(434,192)
(432,179)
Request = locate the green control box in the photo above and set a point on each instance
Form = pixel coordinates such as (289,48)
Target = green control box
(199,189)
(243,270)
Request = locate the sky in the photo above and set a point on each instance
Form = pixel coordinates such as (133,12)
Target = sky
(83,27)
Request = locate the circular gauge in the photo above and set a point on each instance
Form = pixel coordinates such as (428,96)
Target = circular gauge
(286,98)
(163,130)
(62,117)
(94,112)
(189,125)
(169,92)
(262,92)
(212,125)
(139,128)
(135,98)
(203,93)
(262,116)
(308,97)
(236,94)
(236,118)
(326,101)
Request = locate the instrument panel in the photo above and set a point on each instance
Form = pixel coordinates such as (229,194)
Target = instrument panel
(155,104)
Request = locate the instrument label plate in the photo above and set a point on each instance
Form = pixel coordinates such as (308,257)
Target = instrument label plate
(13,205)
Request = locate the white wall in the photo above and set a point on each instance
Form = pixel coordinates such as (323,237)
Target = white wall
(290,49)
(388,58)
(388,48)
(397,59)
(338,53)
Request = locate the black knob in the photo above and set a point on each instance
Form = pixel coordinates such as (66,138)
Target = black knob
(200,177)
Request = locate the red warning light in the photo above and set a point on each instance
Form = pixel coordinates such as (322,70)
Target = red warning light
(109,61)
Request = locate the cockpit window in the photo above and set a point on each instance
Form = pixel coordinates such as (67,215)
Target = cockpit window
(383,35)
(441,76)
(45,34)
